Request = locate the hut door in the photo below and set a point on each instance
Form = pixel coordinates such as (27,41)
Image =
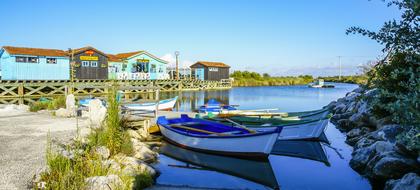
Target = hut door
(199,74)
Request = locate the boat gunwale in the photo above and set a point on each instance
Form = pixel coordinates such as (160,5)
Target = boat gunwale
(247,135)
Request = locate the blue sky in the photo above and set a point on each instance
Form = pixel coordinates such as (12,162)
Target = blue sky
(280,37)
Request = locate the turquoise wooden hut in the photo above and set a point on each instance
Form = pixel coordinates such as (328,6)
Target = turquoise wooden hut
(21,63)
(136,65)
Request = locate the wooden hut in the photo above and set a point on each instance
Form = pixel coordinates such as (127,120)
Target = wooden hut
(22,63)
(136,65)
(89,63)
(204,70)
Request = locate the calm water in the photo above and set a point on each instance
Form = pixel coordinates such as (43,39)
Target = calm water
(314,165)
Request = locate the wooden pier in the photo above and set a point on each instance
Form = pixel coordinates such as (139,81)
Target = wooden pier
(29,91)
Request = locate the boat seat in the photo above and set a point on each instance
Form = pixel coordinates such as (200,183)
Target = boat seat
(229,133)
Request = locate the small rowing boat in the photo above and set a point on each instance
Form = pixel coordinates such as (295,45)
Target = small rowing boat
(167,104)
(215,107)
(273,120)
(208,136)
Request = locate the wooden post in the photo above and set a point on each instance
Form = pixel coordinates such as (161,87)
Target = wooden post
(157,103)
(21,93)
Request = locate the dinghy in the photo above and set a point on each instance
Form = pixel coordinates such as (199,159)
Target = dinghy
(287,119)
(214,137)
(215,107)
(167,104)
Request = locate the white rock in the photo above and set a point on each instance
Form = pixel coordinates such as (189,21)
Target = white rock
(63,113)
(108,182)
(102,152)
(112,165)
(71,104)
(134,166)
(133,134)
(97,113)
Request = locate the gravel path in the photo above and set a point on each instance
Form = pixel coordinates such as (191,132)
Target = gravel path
(23,139)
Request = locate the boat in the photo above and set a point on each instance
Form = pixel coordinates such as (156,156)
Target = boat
(319,83)
(209,136)
(257,171)
(215,107)
(166,104)
(85,101)
(273,120)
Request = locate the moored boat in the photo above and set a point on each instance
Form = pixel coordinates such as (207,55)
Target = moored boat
(214,137)
(215,107)
(167,104)
(319,83)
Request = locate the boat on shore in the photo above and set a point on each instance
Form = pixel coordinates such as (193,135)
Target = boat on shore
(215,107)
(167,104)
(213,137)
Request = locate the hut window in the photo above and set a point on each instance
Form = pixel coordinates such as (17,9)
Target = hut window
(215,69)
(153,69)
(32,59)
(94,64)
(52,60)
(21,59)
(85,63)
(160,70)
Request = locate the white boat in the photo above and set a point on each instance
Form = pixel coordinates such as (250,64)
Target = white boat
(208,136)
(167,104)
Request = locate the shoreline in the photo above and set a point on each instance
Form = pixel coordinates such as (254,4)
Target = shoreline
(377,153)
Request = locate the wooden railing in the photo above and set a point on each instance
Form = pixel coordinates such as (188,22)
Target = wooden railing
(26,91)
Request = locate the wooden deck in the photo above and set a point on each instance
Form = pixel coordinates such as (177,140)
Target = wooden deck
(28,91)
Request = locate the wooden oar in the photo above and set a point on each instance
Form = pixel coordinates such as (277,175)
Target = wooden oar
(197,130)
(241,126)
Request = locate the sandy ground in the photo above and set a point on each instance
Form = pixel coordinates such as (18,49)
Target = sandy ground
(23,139)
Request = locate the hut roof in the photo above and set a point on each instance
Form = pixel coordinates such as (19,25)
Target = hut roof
(35,51)
(113,58)
(211,64)
(78,50)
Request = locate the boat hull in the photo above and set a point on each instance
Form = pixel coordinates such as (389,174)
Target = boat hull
(163,105)
(248,146)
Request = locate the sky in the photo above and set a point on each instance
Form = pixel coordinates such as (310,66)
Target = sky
(279,37)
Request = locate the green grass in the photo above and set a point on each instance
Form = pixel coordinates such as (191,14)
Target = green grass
(56,103)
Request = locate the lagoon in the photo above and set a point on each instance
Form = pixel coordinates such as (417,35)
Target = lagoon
(317,165)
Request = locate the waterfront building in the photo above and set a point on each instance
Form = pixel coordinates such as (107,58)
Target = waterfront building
(183,72)
(88,63)
(205,70)
(21,63)
(136,65)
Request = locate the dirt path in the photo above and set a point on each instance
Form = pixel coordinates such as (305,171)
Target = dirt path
(23,139)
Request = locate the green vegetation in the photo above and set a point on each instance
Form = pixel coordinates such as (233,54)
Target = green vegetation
(46,104)
(246,78)
(70,172)
(356,79)
(397,76)
(113,135)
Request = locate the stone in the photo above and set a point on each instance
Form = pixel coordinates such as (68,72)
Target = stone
(387,133)
(22,107)
(103,152)
(362,156)
(133,134)
(364,142)
(97,113)
(142,151)
(340,108)
(391,165)
(351,97)
(71,104)
(132,165)
(330,106)
(108,182)
(344,125)
(359,90)
(371,93)
(63,113)
(112,165)
(36,179)
(409,181)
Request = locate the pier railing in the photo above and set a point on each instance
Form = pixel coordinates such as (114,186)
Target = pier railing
(27,91)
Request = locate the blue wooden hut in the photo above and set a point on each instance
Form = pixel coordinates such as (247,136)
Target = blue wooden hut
(21,63)
(136,66)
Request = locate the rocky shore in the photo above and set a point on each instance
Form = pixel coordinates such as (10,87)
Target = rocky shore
(378,152)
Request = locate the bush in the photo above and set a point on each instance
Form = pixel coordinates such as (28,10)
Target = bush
(56,103)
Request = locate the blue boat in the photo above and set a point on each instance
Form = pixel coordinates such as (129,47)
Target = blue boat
(214,137)
(215,107)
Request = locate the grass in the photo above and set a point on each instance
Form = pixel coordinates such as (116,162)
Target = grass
(66,173)
(56,103)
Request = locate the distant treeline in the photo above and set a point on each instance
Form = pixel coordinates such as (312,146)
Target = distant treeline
(356,79)
(246,78)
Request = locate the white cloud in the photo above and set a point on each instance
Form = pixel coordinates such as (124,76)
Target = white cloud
(169,57)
